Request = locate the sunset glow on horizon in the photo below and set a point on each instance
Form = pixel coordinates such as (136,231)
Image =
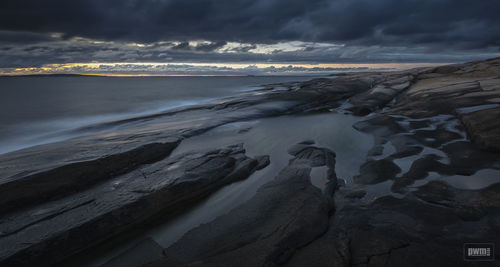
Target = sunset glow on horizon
(147,69)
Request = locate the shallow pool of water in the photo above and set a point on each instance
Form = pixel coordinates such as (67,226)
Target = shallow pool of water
(273,137)
(481,179)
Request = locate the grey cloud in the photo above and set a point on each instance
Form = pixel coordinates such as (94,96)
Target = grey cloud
(182,46)
(360,21)
(204,47)
(210,47)
(14,37)
(36,32)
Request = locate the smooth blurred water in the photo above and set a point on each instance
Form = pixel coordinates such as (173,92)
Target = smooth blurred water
(35,110)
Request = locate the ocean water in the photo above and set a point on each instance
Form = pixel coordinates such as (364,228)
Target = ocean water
(37,110)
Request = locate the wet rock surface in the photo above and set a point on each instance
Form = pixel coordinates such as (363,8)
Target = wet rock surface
(285,214)
(483,127)
(74,177)
(52,230)
(140,254)
(401,209)
(395,232)
(428,184)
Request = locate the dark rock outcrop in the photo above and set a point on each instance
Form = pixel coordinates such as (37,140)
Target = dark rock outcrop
(377,171)
(49,232)
(74,177)
(428,223)
(381,93)
(470,205)
(483,127)
(393,232)
(285,215)
(140,254)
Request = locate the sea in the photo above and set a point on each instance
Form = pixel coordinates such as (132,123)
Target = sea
(37,110)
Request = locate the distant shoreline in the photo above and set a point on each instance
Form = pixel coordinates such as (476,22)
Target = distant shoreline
(125,75)
(159,76)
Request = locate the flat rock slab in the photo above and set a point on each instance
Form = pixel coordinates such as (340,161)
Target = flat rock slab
(395,232)
(68,179)
(48,233)
(483,127)
(140,254)
(284,215)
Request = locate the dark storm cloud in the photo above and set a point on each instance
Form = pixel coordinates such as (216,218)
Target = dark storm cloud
(204,47)
(458,22)
(34,33)
(13,37)
(245,48)
(211,46)
(181,46)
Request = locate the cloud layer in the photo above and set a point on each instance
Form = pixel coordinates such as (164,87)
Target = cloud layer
(38,32)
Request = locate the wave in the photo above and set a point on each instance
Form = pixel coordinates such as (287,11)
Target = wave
(50,131)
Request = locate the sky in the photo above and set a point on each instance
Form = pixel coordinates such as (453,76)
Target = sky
(241,37)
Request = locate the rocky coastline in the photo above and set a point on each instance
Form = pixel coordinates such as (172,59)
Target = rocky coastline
(429,183)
